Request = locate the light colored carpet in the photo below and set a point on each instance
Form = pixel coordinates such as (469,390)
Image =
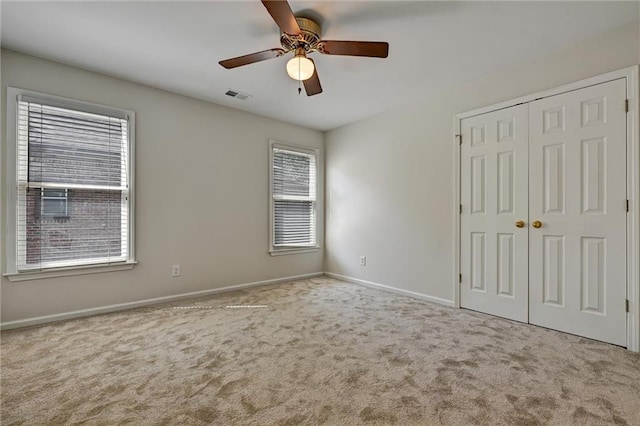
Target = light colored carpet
(322,352)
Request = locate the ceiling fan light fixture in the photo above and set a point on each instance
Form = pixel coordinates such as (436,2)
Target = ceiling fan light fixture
(300,67)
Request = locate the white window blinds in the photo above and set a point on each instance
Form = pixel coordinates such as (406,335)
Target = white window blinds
(72,187)
(294,198)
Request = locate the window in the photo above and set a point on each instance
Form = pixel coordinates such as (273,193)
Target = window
(53,203)
(293,199)
(71,201)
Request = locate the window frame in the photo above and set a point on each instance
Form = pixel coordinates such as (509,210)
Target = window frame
(11,193)
(284,250)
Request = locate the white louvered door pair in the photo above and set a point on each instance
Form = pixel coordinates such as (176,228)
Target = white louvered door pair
(543,222)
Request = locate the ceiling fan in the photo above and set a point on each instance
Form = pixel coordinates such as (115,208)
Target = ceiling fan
(302,36)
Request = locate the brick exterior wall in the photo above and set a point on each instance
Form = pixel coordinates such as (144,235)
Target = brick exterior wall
(91,228)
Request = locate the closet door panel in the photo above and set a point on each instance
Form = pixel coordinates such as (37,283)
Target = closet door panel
(494,197)
(577,257)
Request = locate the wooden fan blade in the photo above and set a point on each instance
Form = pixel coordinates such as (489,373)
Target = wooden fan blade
(251,58)
(374,49)
(312,85)
(281,12)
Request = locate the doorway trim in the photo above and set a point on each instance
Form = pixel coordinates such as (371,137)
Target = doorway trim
(633,185)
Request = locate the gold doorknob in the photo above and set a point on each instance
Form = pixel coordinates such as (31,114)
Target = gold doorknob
(520,224)
(536,224)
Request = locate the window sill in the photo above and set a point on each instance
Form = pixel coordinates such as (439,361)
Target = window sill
(69,271)
(54,217)
(294,250)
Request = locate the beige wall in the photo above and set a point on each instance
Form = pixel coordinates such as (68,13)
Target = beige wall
(201,194)
(389,179)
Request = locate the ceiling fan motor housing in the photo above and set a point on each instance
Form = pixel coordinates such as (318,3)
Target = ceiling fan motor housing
(308,39)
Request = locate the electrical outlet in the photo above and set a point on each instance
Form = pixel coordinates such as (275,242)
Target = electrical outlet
(363,260)
(175,271)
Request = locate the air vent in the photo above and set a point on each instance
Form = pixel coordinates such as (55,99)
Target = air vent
(237,95)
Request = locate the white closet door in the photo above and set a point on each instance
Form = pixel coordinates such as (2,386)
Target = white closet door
(577,154)
(494,197)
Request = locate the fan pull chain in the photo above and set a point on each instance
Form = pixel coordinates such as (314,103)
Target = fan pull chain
(299,81)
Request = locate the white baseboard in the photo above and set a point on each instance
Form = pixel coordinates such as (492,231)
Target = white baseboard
(420,296)
(147,302)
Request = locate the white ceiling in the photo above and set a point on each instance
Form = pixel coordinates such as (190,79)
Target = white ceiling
(176,46)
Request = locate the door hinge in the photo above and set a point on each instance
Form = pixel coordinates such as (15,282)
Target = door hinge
(460,278)
(627,205)
(626,305)
(460,208)
(459,139)
(626,105)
